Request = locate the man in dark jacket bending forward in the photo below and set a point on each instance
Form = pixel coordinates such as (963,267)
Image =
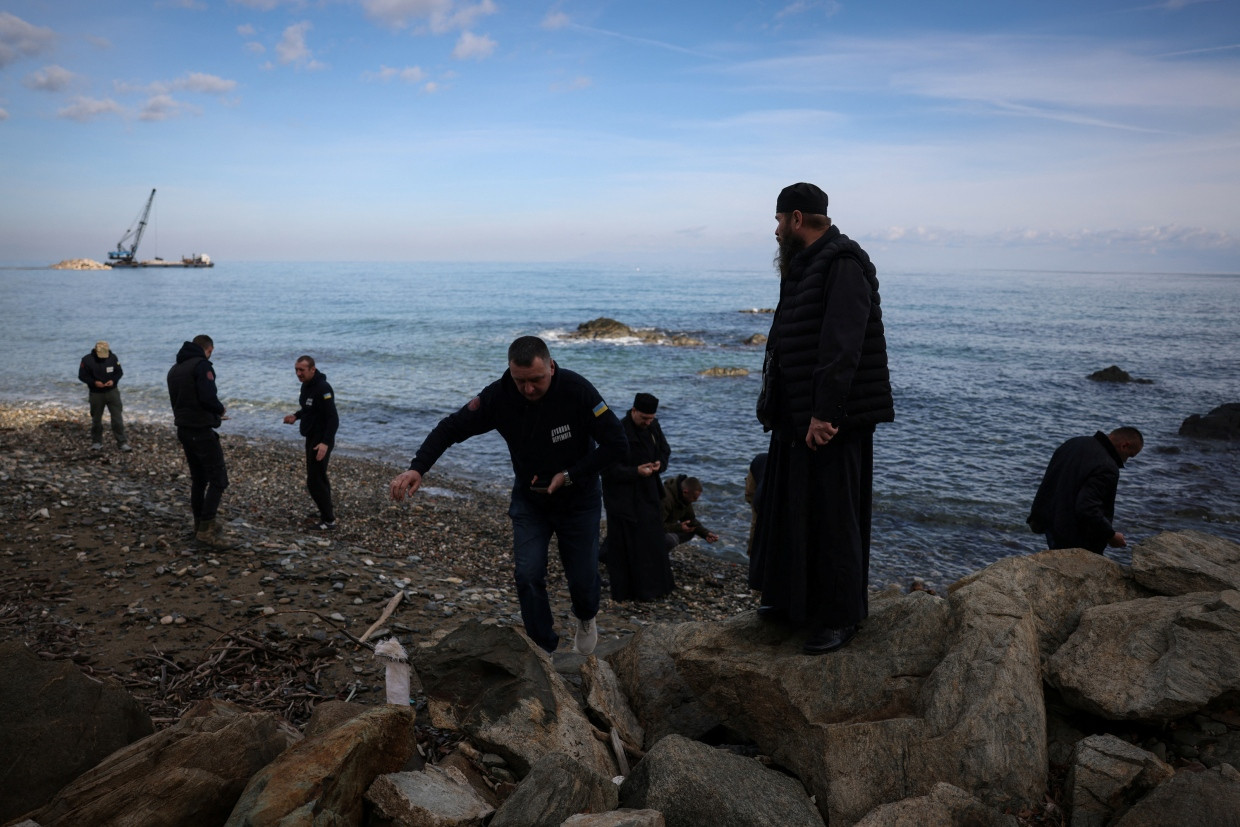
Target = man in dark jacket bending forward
(1075,504)
(560,435)
(825,385)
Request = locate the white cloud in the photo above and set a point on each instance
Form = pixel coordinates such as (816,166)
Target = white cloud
(263,5)
(84,109)
(472,46)
(20,39)
(431,87)
(556,20)
(51,78)
(255,48)
(409,74)
(440,16)
(206,84)
(245,30)
(292,47)
(4,115)
(831,7)
(163,107)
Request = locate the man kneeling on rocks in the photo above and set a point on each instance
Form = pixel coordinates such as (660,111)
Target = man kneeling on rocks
(560,435)
(197,411)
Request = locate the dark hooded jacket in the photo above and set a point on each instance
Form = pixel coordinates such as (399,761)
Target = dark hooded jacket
(191,389)
(317,418)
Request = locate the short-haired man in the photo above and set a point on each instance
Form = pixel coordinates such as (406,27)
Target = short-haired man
(679,519)
(1075,504)
(197,411)
(637,563)
(560,435)
(101,372)
(825,385)
(319,422)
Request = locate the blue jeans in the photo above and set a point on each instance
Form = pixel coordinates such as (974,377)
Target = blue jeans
(573,517)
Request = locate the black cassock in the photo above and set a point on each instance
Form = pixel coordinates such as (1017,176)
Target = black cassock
(634,551)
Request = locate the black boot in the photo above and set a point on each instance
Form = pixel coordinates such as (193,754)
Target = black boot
(828,640)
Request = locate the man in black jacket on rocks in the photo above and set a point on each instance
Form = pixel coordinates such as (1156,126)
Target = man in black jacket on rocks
(197,412)
(825,385)
(1075,504)
(319,422)
(560,435)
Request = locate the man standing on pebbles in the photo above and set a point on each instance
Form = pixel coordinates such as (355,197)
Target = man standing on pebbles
(560,435)
(101,371)
(197,411)
(318,425)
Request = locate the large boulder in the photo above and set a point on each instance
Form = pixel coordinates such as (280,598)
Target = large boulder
(557,787)
(500,689)
(1058,586)
(1153,660)
(1221,423)
(435,797)
(56,723)
(190,773)
(1203,799)
(1106,776)
(657,693)
(1183,562)
(943,806)
(322,780)
(605,702)
(692,784)
(928,691)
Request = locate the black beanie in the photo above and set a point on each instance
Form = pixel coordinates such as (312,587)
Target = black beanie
(807,198)
(646,403)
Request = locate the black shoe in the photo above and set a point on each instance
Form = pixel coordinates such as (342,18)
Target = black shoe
(828,640)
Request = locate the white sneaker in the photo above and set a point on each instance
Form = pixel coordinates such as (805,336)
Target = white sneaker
(125,447)
(587,636)
(98,446)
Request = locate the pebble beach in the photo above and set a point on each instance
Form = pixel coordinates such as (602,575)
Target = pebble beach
(100,566)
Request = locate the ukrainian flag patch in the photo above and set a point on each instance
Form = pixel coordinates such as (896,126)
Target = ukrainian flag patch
(600,409)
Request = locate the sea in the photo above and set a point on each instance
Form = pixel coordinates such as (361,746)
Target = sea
(989,371)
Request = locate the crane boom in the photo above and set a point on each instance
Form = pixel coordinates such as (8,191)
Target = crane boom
(125,255)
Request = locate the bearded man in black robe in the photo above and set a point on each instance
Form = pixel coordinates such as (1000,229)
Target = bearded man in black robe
(825,384)
(634,551)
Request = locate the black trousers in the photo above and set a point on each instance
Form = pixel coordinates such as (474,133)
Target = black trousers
(318,484)
(208,476)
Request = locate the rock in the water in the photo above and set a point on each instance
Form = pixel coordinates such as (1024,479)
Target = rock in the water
(943,806)
(1155,659)
(692,785)
(1209,798)
(605,328)
(434,797)
(80,264)
(755,339)
(324,779)
(556,788)
(721,371)
(1106,776)
(1221,423)
(190,773)
(1115,374)
(56,723)
(494,684)
(1183,562)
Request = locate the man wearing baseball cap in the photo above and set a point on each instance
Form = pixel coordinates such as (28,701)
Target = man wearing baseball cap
(101,371)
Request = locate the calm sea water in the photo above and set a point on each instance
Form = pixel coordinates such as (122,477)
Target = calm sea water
(988,368)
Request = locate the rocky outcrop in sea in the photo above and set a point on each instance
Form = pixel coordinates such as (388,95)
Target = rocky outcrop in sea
(605,328)
(80,264)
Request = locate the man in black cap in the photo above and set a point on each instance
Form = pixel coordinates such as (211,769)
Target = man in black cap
(825,385)
(636,558)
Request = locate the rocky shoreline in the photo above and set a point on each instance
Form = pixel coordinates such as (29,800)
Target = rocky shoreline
(100,565)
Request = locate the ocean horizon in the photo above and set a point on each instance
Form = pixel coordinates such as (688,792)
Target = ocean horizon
(989,371)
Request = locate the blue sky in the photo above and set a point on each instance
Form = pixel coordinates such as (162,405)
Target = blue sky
(1098,135)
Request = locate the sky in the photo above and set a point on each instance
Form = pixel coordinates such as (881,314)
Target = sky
(1096,135)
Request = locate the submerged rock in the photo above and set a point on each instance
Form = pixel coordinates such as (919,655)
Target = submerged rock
(718,371)
(1115,374)
(605,328)
(1221,423)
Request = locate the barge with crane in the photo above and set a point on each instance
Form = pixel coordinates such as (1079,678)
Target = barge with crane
(127,256)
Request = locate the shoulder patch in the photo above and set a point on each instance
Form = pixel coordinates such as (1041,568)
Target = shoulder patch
(327,396)
(211,375)
(600,409)
(474,404)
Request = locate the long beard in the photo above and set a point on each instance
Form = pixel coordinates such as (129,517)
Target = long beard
(788,249)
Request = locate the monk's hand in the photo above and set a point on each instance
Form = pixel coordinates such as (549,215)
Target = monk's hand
(405,484)
(819,434)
